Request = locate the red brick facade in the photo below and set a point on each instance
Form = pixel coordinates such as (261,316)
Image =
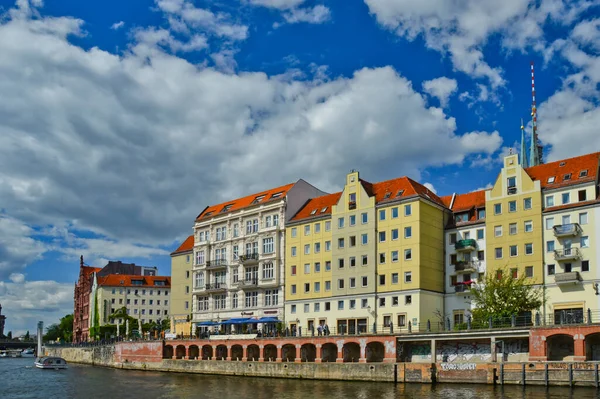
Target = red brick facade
(81,309)
(575,343)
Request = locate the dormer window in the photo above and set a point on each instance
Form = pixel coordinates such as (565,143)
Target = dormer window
(277,195)
(551,179)
(583,173)
(400,192)
(511,185)
(226,208)
(324,209)
(562,164)
(258,199)
(313,211)
(567,177)
(352,201)
(208,214)
(387,195)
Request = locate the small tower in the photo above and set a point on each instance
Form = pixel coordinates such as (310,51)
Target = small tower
(523,158)
(535,149)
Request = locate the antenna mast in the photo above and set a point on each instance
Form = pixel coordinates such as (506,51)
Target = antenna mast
(536,150)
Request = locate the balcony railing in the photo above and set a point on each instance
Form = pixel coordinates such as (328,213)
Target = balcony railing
(352,205)
(567,278)
(249,258)
(467,266)
(216,263)
(466,245)
(567,230)
(567,254)
(216,287)
(249,283)
(462,288)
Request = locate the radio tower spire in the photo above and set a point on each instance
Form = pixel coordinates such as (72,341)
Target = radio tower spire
(536,149)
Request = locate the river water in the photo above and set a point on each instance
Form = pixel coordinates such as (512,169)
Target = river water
(19,379)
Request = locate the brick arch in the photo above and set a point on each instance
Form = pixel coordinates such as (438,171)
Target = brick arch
(288,353)
(592,346)
(237,352)
(168,352)
(193,352)
(351,352)
(560,347)
(375,351)
(221,352)
(180,352)
(329,352)
(253,352)
(207,352)
(308,352)
(270,353)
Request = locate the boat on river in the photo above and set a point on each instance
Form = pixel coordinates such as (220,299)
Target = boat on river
(51,362)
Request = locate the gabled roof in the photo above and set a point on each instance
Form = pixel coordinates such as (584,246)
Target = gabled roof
(185,246)
(560,169)
(466,202)
(317,207)
(244,202)
(124,280)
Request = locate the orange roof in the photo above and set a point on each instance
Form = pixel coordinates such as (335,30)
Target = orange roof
(124,280)
(572,205)
(571,166)
(384,191)
(186,246)
(244,202)
(468,201)
(320,205)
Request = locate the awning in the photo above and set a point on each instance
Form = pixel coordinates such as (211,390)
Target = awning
(243,320)
(268,320)
(207,323)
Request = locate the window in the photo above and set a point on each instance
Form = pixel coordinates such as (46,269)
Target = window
(328,225)
(352,241)
(394,234)
(382,236)
(551,270)
(317,307)
(581,195)
(327,306)
(352,304)
(453,238)
(497,231)
(268,245)
(585,265)
(352,220)
(407,232)
(528,249)
(550,246)
(511,184)
(327,285)
(512,206)
(394,256)
(498,252)
(364,239)
(585,242)
(408,299)
(382,279)
(294,270)
(341,283)
(566,219)
(512,229)
(551,179)
(327,265)
(467,235)
(341,263)
(199,280)
(327,246)
(549,223)
(306,307)
(527,203)
(200,258)
(340,305)
(381,302)
(497,209)
(340,243)
(317,247)
(583,218)
(566,198)
(382,257)
(317,228)
(317,267)
(307,268)
(293,308)
(365,281)
(271,297)
(341,223)
(549,200)
(528,271)
(407,254)
(408,277)
(407,210)
(481,255)
(364,303)
(528,226)
(513,249)
(268,270)
(306,287)
(293,251)
(307,249)
(382,214)
(401,320)
(352,282)
(293,289)
(307,229)
(514,273)
(480,234)
(364,217)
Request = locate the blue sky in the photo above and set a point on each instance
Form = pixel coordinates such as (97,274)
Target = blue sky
(120,121)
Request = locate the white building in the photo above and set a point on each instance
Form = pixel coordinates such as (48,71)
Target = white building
(239,254)
(464,252)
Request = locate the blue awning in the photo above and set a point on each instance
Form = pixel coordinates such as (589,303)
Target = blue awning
(268,320)
(239,321)
(207,323)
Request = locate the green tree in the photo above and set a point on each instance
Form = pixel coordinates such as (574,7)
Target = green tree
(62,330)
(27,337)
(500,295)
(9,335)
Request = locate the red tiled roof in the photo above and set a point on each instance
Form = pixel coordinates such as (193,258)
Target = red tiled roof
(468,201)
(114,280)
(572,205)
(572,166)
(245,202)
(317,204)
(186,246)
(401,187)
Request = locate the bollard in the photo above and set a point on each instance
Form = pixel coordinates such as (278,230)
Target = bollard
(300,331)
(589,312)
(374,328)
(596,377)
(546,374)
(391,328)
(537,319)
(570,374)
(409,327)
(428,325)
(523,372)
(468,322)
(312,331)
(447,324)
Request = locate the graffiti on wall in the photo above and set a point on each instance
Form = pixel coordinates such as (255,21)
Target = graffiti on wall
(450,352)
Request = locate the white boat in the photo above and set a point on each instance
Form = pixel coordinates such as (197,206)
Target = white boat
(49,362)
(28,351)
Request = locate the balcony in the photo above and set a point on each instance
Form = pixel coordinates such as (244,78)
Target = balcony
(249,283)
(567,230)
(351,205)
(467,266)
(567,254)
(567,278)
(215,287)
(462,288)
(249,258)
(465,245)
(216,264)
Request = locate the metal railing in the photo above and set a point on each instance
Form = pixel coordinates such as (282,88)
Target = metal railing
(215,263)
(247,258)
(462,265)
(215,286)
(567,254)
(565,230)
(467,244)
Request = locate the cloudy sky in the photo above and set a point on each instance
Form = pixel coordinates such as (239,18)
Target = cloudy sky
(120,121)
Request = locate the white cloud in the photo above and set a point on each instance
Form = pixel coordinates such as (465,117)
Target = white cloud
(312,15)
(17,247)
(486,187)
(430,187)
(117,25)
(441,88)
(277,4)
(26,302)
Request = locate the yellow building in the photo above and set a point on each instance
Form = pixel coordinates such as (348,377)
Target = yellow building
(381,246)
(514,223)
(181,297)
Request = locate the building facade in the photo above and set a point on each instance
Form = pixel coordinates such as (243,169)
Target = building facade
(465,252)
(2,322)
(370,257)
(81,299)
(181,287)
(239,260)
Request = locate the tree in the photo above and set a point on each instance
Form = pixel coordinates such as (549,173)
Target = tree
(9,335)
(500,295)
(62,330)
(27,337)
